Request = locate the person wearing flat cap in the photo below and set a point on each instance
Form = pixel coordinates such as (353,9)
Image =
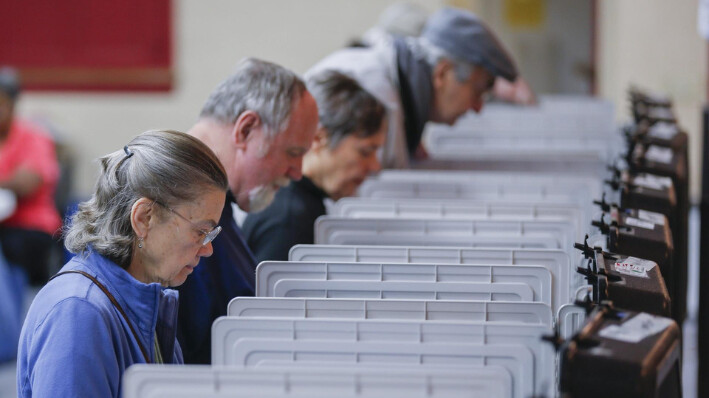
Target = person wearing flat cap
(437,77)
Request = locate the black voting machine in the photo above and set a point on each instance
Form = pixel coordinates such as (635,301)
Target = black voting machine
(636,267)
(650,223)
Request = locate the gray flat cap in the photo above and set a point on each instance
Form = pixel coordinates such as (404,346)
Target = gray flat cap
(463,35)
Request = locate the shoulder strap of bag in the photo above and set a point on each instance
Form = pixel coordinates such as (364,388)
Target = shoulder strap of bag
(115,304)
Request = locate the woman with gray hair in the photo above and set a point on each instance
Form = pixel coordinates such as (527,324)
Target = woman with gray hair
(343,154)
(152,216)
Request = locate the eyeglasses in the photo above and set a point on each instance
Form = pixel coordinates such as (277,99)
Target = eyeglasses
(208,235)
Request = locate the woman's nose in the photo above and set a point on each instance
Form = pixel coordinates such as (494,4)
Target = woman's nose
(206,250)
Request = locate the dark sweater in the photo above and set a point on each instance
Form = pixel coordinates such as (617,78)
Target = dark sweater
(228,273)
(288,221)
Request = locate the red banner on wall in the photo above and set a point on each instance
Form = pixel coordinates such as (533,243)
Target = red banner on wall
(88,44)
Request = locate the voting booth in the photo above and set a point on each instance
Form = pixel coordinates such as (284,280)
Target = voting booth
(489,274)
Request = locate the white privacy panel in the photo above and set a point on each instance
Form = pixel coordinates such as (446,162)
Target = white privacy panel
(571,319)
(204,381)
(359,207)
(270,342)
(570,103)
(443,310)
(557,261)
(407,281)
(554,114)
(443,142)
(593,183)
(458,233)
(550,192)
(501,191)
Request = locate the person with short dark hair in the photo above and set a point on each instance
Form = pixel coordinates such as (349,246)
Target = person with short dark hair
(344,152)
(28,168)
(153,215)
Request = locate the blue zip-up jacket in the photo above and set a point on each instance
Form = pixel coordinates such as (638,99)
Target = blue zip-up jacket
(75,343)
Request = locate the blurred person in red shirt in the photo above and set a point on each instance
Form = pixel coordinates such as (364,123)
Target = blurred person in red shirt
(29,169)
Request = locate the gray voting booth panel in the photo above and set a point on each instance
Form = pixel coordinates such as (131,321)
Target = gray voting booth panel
(466,233)
(570,103)
(549,192)
(407,281)
(590,113)
(578,167)
(422,310)
(543,190)
(501,191)
(538,146)
(558,132)
(204,381)
(556,260)
(264,342)
(358,207)
(480,176)
(556,114)
(571,319)
(593,183)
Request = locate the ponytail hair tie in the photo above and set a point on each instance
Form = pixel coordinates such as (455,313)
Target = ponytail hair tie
(127,151)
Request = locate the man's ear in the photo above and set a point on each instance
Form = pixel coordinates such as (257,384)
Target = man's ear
(440,71)
(141,214)
(244,126)
(320,140)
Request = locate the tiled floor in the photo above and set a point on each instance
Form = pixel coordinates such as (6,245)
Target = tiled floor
(7,371)
(7,380)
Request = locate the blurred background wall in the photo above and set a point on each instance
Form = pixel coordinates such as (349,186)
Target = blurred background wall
(651,43)
(655,44)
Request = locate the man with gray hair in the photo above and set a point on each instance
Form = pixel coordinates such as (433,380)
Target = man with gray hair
(436,77)
(259,122)
(352,128)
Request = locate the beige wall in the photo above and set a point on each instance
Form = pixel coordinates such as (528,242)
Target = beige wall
(554,55)
(210,38)
(655,45)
